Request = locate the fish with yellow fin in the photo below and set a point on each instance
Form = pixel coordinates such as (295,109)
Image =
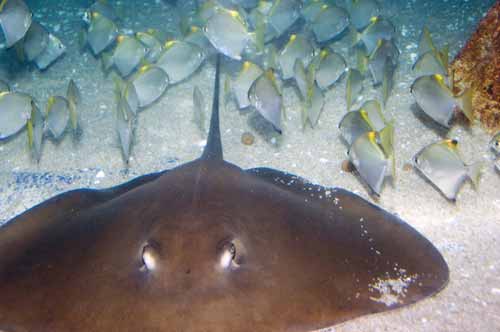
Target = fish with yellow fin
(266,98)
(438,101)
(442,165)
(372,154)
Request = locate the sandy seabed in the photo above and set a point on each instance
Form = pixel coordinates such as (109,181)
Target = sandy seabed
(467,233)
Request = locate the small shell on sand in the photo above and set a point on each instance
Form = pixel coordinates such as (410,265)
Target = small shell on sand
(247,138)
(347,166)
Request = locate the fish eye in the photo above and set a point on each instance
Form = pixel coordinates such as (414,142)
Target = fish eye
(149,258)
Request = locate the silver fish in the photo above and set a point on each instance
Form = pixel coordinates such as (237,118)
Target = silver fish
(55,49)
(372,155)
(266,98)
(180,60)
(362,11)
(57,116)
(441,164)
(146,86)
(437,100)
(330,69)
(330,23)
(298,47)
(15,20)
(15,110)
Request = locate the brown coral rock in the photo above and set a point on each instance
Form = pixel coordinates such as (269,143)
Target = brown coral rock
(478,66)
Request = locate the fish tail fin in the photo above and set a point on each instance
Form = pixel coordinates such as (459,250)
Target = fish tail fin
(474,171)
(387,142)
(466,104)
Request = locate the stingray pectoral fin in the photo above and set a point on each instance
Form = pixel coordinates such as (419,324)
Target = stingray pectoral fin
(27,228)
(395,264)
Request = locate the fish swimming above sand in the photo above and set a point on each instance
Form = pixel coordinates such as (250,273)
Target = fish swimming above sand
(329,23)
(101,32)
(361,12)
(356,123)
(372,154)
(430,60)
(437,100)
(228,32)
(298,47)
(180,59)
(266,98)
(40,46)
(240,86)
(153,45)
(206,247)
(15,20)
(15,110)
(74,99)
(379,28)
(35,131)
(127,55)
(147,85)
(442,165)
(385,50)
(431,63)
(35,41)
(125,126)
(331,67)
(282,15)
(54,50)
(312,97)
(57,116)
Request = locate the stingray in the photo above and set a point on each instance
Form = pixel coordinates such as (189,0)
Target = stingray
(208,247)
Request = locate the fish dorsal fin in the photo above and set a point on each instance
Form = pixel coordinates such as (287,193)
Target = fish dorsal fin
(213,149)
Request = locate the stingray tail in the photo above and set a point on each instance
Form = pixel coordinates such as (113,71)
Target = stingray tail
(213,149)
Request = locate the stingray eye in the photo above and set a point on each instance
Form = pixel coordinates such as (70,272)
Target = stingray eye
(231,254)
(149,258)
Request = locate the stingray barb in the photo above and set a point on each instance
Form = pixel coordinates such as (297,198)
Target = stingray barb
(208,247)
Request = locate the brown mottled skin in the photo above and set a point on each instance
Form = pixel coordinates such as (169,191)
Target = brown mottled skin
(302,259)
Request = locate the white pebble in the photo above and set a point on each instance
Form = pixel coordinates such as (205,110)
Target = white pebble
(100,175)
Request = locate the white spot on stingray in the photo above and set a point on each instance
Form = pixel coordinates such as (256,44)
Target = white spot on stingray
(391,290)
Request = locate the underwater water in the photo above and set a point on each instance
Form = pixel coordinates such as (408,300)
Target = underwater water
(467,232)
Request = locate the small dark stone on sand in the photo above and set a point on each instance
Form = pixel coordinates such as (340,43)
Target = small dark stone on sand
(407,167)
(347,166)
(247,138)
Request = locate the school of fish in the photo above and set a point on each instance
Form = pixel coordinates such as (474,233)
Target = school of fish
(276,43)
